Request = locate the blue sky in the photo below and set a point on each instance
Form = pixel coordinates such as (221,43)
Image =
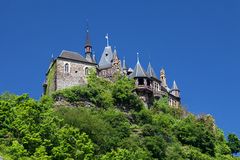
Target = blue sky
(197,42)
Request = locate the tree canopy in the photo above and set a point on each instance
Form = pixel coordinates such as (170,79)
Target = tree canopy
(106,120)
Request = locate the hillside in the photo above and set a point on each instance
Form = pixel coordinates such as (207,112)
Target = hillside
(105,120)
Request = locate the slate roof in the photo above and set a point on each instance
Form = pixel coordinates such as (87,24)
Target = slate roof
(138,71)
(73,56)
(174,87)
(106,58)
(150,71)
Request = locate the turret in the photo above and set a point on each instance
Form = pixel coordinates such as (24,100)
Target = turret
(163,78)
(115,60)
(88,48)
(175,91)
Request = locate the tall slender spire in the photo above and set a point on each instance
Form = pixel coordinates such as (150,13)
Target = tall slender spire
(114,51)
(174,87)
(88,42)
(163,78)
(115,56)
(150,71)
(88,46)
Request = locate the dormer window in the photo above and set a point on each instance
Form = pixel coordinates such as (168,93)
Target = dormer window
(66,68)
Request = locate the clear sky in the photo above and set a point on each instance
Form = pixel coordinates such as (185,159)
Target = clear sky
(197,42)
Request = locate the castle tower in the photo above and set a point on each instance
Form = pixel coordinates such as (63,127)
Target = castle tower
(163,78)
(88,48)
(116,63)
(175,91)
(156,83)
(143,83)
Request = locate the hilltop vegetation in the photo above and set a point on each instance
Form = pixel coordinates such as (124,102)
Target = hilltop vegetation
(105,120)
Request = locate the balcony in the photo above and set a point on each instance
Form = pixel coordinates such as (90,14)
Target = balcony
(144,87)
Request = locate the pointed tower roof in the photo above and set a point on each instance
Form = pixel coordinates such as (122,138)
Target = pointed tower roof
(124,67)
(162,71)
(138,71)
(106,58)
(174,87)
(87,42)
(115,53)
(150,71)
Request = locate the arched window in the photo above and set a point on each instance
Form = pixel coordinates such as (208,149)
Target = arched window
(86,71)
(66,68)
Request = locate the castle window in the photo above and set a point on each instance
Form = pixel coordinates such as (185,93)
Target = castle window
(148,83)
(140,81)
(66,68)
(86,71)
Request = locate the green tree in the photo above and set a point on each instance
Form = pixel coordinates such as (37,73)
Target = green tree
(122,92)
(191,132)
(156,146)
(91,122)
(124,154)
(71,144)
(234,143)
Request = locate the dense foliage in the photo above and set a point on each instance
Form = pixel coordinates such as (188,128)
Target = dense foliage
(105,120)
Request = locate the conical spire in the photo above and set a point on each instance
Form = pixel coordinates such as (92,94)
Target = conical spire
(150,71)
(138,70)
(162,71)
(174,87)
(124,64)
(115,53)
(163,78)
(87,42)
(175,91)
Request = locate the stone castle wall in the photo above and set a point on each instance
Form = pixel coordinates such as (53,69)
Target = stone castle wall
(76,76)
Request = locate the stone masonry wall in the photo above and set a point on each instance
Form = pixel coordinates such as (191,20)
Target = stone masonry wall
(75,76)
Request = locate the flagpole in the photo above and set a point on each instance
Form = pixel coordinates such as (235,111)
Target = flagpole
(107,39)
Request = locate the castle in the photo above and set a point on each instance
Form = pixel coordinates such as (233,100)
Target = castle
(71,69)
